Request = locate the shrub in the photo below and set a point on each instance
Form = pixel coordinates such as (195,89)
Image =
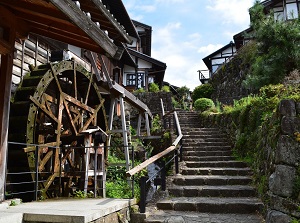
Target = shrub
(153,87)
(203,104)
(202,91)
(140,90)
(165,88)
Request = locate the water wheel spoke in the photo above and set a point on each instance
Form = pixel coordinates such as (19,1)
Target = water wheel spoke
(43,108)
(88,90)
(70,116)
(50,180)
(78,103)
(45,160)
(92,117)
(66,155)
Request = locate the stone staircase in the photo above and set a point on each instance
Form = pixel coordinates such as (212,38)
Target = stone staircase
(212,186)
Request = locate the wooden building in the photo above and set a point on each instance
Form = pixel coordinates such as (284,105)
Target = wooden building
(34,35)
(147,69)
(216,60)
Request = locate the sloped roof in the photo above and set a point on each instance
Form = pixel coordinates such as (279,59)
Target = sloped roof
(159,67)
(207,59)
(74,22)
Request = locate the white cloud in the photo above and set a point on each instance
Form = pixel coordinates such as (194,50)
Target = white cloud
(170,1)
(232,11)
(146,8)
(206,50)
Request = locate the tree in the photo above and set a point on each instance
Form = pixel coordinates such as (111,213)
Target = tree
(278,47)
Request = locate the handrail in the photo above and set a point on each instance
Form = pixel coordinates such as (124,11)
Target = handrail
(147,162)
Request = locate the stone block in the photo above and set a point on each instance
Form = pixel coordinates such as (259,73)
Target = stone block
(175,219)
(290,125)
(284,205)
(287,151)
(287,108)
(277,217)
(282,180)
(138,217)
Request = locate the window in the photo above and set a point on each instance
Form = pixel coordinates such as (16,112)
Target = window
(137,80)
(130,79)
(279,13)
(292,9)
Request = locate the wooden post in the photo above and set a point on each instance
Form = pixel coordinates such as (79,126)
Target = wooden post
(147,124)
(87,145)
(111,118)
(124,131)
(139,125)
(5,89)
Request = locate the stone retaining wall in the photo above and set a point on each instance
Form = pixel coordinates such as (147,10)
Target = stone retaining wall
(280,164)
(286,164)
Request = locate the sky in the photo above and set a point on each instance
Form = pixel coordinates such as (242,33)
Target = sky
(186,31)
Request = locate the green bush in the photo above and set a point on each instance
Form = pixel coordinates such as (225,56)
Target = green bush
(203,104)
(165,88)
(202,91)
(140,90)
(153,87)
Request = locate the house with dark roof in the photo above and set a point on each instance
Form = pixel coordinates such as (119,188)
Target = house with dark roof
(147,69)
(215,60)
(281,9)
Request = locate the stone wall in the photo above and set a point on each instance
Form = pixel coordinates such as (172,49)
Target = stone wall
(228,80)
(152,100)
(278,164)
(286,163)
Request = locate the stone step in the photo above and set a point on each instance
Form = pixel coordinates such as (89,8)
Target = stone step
(199,150)
(217,171)
(202,144)
(193,139)
(237,164)
(212,191)
(208,158)
(213,180)
(212,204)
(196,134)
(168,216)
(204,130)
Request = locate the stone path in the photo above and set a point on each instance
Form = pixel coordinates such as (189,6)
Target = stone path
(212,186)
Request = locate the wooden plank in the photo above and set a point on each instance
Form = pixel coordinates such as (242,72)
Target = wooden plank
(143,165)
(146,163)
(84,23)
(32,148)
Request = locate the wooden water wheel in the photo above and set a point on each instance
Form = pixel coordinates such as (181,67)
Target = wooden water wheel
(52,107)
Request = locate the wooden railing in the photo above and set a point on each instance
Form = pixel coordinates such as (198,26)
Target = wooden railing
(176,147)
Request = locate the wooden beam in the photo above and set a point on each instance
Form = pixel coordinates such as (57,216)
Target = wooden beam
(112,20)
(10,21)
(87,25)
